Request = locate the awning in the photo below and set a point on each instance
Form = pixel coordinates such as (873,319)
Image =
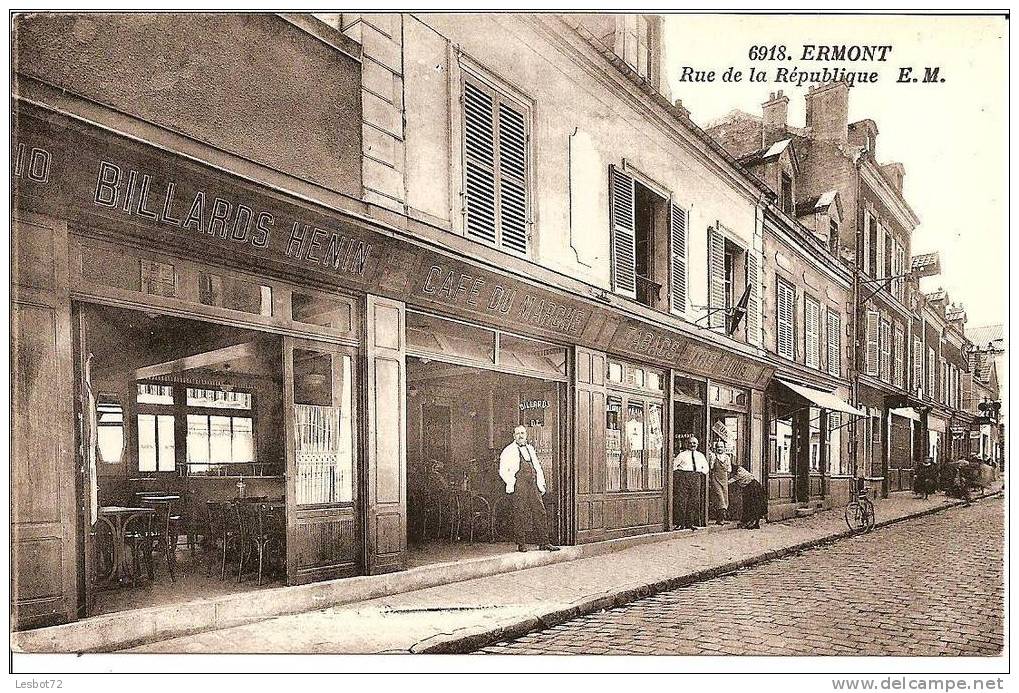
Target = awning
(825,400)
(906,413)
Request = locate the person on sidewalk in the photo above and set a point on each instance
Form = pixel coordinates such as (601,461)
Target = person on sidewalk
(689,470)
(755,502)
(720,462)
(525,484)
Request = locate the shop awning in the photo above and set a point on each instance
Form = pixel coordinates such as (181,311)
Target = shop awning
(825,400)
(906,413)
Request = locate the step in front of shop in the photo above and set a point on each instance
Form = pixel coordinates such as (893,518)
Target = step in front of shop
(119,630)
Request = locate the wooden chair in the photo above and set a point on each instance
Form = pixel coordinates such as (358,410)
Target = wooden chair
(163,534)
(262,533)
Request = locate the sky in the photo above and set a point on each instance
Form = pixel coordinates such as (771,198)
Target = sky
(952,137)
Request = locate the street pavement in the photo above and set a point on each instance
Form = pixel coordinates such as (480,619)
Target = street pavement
(463,616)
(929,586)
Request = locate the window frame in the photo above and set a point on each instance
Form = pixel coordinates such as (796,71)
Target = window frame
(499,92)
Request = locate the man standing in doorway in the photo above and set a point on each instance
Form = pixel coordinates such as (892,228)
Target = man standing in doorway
(525,484)
(690,468)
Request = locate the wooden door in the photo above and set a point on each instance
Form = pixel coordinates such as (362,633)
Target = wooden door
(589,443)
(320,391)
(44,533)
(386,444)
(86,483)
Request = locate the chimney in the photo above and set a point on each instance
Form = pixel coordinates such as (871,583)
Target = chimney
(895,172)
(776,112)
(828,111)
(678,105)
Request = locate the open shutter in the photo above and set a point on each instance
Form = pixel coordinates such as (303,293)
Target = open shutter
(479,163)
(624,251)
(512,178)
(886,351)
(834,346)
(716,279)
(872,350)
(754,301)
(784,318)
(811,329)
(678,227)
(917,364)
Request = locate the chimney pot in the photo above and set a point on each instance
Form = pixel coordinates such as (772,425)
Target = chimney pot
(775,113)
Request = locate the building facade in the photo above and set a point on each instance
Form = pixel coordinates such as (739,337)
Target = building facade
(335,271)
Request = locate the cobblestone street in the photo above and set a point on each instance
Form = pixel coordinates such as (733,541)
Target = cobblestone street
(925,587)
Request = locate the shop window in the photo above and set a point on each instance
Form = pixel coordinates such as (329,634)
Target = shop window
(613,443)
(214,441)
(323,430)
(324,311)
(235,294)
(110,429)
(655,447)
(815,439)
(429,335)
(837,466)
(531,355)
(156,447)
(615,372)
(654,381)
(635,445)
(781,442)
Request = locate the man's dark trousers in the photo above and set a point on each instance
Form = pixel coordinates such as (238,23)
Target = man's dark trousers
(528,508)
(686,501)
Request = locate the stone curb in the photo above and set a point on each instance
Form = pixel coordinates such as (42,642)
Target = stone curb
(466,643)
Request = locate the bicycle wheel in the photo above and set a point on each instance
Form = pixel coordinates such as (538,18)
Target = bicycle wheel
(855,517)
(868,513)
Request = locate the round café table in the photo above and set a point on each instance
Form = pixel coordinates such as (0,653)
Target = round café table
(117,518)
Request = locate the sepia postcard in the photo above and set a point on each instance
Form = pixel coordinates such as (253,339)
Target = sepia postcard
(679,336)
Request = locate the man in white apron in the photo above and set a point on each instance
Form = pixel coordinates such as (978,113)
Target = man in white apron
(525,484)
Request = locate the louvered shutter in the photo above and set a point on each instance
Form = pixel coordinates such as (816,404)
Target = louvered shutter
(716,279)
(754,301)
(886,351)
(811,327)
(897,369)
(512,178)
(871,355)
(624,269)
(479,164)
(834,344)
(917,364)
(678,228)
(784,318)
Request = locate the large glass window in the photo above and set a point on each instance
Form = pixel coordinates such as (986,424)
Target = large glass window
(155,443)
(427,334)
(635,440)
(781,442)
(655,445)
(110,429)
(323,427)
(613,443)
(815,439)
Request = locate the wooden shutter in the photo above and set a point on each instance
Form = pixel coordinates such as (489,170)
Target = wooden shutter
(512,178)
(624,251)
(885,339)
(871,354)
(678,228)
(479,163)
(786,301)
(716,279)
(917,363)
(897,374)
(754,302)
(811,329)
(866,242)
(834,343)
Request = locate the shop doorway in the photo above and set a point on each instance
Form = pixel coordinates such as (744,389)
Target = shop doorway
(179,416)
(468,387)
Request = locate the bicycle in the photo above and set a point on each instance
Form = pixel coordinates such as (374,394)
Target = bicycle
(860,509)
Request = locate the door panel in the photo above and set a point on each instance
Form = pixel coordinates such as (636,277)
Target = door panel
(321,476)
(386,502)
(43,524)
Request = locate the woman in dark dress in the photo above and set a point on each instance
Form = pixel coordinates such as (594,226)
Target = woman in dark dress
(755,503)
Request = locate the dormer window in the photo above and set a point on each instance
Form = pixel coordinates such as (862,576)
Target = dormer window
(787,194)
(833,236)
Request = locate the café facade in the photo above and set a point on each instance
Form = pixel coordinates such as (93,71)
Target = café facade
(179,327)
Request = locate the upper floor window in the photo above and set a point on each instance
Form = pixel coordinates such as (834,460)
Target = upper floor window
(495,149)
(731,284)
(649,236)
(833,236)
(786,329)
(638,44)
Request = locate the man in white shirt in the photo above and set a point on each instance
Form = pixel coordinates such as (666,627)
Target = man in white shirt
(689,469)
(525,484)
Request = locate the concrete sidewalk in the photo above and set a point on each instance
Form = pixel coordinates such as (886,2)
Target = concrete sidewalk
(463,616)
